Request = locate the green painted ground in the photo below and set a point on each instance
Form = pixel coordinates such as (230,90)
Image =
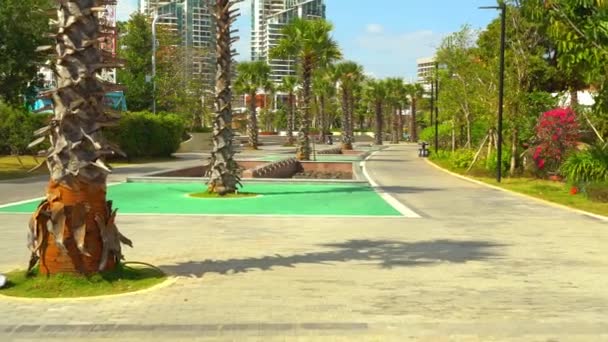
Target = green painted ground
(276,199)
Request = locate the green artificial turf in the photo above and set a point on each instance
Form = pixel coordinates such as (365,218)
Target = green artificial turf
(212,195)
(121,280)
(275,199)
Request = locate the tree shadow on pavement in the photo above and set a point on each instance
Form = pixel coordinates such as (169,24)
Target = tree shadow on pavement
(385,253)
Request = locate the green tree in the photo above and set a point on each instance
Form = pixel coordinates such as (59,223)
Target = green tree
(136,49)
(289,85)
(23,24)
(348,76)
(376,92)
(415,91)
(252,76)
(75,202)
(310,43)
(223,178)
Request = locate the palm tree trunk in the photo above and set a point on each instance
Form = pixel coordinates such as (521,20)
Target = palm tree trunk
(73,230)
(346,143)
(378,128)
(303,150)
(351,118)
(323,118)
(395,125)
(252,124)
(223,177)
(290,118)
(413,122)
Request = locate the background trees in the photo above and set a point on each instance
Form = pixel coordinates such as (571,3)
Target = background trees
(23,24)
(310,43)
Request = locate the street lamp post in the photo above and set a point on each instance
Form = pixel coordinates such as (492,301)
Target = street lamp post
(501,80)
(156,17)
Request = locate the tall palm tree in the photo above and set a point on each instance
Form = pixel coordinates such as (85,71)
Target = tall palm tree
(348,75)
(324,88)
(396,95)
(415,92)
(289,85)
(309,42)
(376,92)
(251,77)
(82,236)
(223,178)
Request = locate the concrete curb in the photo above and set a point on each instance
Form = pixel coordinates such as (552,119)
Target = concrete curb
(555,205)
(168,282)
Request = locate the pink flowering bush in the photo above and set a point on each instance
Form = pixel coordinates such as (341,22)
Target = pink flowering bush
(557,132)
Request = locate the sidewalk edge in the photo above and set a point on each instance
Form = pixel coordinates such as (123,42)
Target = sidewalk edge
(553,204)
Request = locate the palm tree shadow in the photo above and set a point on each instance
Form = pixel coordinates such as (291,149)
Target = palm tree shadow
(385,253)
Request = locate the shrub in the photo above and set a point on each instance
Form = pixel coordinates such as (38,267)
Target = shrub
(506,160)
(144,134)
(445,134)
(16,129)
(590,165)
(597,192)
(463,158)
(557,133)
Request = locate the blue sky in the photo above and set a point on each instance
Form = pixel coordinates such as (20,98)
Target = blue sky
(385,36)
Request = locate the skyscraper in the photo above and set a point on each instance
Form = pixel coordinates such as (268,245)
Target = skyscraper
(268,17)
(192,21)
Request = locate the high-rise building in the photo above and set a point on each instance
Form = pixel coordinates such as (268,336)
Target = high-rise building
(192,21)
(268,17)
(426,67)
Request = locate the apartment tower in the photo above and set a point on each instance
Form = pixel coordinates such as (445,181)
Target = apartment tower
(268,17)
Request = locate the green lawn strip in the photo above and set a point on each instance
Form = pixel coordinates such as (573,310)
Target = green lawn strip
(11,169)
(138,161)
(547,190)
(275,199)
(122,280)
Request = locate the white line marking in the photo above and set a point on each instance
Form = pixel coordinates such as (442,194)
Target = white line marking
(40,198)
(405,211)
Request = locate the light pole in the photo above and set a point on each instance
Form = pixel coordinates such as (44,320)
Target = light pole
(156,17)
(501,80)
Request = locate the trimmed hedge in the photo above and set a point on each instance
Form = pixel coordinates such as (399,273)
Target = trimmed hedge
(143,134)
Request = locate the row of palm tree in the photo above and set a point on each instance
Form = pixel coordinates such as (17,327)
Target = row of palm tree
(323,76)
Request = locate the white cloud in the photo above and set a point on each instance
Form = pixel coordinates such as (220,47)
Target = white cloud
(124,9)
(374,28)
(394,54)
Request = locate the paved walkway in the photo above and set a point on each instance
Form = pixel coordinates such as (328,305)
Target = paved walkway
(480,265)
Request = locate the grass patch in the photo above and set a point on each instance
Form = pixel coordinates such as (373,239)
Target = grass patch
(10,168)
(214,195)
(547,190)
(121,280)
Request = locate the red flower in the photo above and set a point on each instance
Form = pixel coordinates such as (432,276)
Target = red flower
(573,190)
(541,163)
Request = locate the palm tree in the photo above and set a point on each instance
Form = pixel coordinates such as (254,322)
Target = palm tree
(324,88)
(376,92)
(396,96)
(309,42)
(415,92)
(82,236)
(348,75)
(251,77)
(289,85)
(223,178)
